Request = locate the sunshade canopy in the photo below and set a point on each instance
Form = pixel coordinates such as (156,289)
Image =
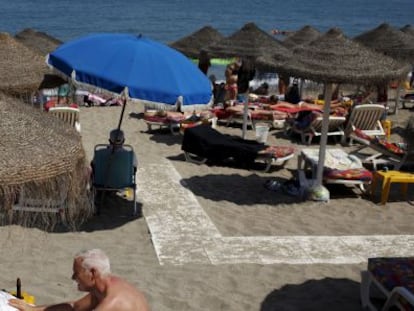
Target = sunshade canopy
(334,58)
(34,145)
(38,41)
(408,29)
(149,70)
(250,42)
(192,44)
(390,41)
(304,35)
(21,69)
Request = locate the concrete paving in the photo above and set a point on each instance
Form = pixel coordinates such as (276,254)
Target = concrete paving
(183,233)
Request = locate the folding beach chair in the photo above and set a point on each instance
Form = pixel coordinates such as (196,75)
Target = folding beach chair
(335,128)
(387,153)
(393,280)
(114,169)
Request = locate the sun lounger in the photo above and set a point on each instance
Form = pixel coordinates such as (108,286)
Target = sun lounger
(393,280)
(256,115)
(169,119)
(340,168)
(203,143)
(386,152)
(366,118)
(314,128)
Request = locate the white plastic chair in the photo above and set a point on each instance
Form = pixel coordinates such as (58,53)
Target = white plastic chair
(367,118)
(67,114)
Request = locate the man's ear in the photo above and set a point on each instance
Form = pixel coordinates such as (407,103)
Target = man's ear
(93,273)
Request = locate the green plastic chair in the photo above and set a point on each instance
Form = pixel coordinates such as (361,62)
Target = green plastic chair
(114,169)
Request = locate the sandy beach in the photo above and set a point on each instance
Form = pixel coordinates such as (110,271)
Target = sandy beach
(213,265)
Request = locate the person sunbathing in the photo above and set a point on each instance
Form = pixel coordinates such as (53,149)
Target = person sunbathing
(91,271)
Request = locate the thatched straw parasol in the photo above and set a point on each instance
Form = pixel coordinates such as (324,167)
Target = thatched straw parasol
(21,69)
(333,58)
(336,59)
(192,44)
(38,41)
(41,157)
(250,42)
(304,35)
(390,41)
(408,29)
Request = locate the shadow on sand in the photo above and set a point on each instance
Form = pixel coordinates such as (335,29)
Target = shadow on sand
(115,211)
(234,188)
(312,295)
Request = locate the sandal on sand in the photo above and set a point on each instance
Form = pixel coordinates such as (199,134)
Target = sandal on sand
(272,185)
(292,188)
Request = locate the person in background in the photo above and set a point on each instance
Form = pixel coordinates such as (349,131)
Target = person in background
(292,95)
(105,291)
(62,99)
(231,75)
(263,89)
(204,61)
(245,74)
(280,32)
(283,84)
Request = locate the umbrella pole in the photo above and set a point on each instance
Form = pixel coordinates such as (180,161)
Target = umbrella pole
(124,101)
(324,133)
(245,112)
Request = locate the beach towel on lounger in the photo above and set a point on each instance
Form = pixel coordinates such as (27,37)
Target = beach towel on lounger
(208,143)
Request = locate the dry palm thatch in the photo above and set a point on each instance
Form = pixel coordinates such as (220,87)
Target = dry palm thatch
(192,44)
(336,59)
(38,41)
(390,41)
(304,35)
(43,158)
(408,29)
(21,69)
(249,42)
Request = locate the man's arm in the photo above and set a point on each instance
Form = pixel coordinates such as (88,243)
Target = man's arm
(86,303)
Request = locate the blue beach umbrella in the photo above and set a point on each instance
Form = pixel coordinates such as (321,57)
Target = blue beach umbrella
(134,66)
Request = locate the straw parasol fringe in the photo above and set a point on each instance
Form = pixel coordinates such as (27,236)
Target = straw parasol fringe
(43,158)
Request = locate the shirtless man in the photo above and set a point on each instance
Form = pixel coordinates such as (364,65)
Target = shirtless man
(106,292)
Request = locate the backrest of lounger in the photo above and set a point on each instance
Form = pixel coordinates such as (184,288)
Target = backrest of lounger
(67,114)
(366,117)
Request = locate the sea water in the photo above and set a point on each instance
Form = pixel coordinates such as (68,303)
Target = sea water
(170,20)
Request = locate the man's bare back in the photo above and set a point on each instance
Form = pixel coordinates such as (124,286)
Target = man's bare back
(121,295)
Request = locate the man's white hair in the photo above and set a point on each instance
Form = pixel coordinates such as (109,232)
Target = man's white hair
(95,259)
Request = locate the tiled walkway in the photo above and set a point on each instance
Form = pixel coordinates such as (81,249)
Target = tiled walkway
(182,232)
